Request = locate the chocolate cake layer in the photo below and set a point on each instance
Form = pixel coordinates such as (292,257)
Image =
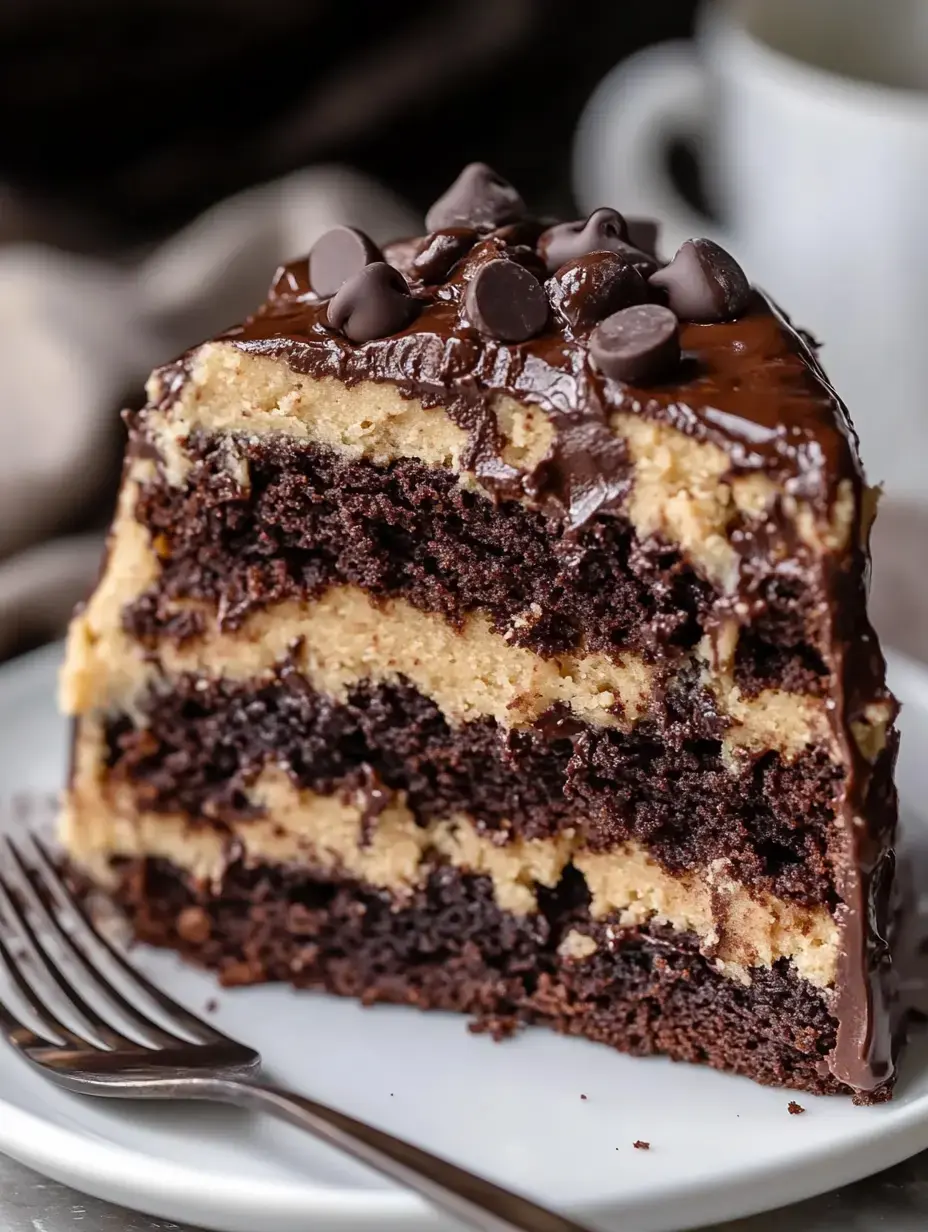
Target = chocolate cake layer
(196,747)
(641,991)
(306,517)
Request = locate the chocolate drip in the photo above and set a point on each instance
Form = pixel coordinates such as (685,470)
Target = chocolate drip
(863,1056)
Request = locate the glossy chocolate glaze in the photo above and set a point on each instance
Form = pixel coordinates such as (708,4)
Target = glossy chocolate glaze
(752,386)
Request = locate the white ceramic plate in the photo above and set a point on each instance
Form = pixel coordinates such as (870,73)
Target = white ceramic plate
(720,1146)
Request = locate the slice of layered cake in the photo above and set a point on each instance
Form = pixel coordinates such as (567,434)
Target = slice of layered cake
(483,627)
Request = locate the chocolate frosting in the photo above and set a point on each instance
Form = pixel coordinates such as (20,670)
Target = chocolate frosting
(752,386)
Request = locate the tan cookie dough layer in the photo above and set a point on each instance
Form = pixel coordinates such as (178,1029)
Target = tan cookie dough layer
(738,928)
(343,638)
(228,390)
(682,489)
(684,492)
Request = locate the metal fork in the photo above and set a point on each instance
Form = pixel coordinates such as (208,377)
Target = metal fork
(188,1060)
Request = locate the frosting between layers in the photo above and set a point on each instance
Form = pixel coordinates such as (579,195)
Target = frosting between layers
(343,637)
(738,928)
(227,390)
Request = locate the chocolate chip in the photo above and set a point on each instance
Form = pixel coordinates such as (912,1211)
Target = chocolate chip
(639,344)
(506,301)
(372,304)
(336,256)
(441,253)
(603,231)
(477,198)
(704,283)
(591,287)
(643,233)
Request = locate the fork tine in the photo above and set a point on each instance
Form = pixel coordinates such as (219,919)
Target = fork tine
(33,885)
(49,1021)
(88,934)
(92,1026)
(17,1033)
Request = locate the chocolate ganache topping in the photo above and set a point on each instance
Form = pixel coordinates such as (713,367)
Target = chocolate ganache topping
(702,352)
(749,382)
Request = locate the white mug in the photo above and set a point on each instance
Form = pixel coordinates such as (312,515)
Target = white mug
(812,116)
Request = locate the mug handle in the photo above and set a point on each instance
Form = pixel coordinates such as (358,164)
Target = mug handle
(635,112)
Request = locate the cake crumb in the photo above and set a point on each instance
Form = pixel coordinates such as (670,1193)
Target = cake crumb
(498,1026)
(793,1108)
(577,945)
(236,973)
(211,1006)
(641,1146)
(193,925)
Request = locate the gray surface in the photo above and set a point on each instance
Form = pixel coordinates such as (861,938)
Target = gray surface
(896,1201)
(30,1203)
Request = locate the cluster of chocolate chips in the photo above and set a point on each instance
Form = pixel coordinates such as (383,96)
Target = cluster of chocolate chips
(602,276)
(367,297)
(601,279)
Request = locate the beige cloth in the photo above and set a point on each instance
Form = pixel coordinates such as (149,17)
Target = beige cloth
(76,336)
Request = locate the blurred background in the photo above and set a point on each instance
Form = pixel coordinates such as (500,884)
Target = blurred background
(159,158)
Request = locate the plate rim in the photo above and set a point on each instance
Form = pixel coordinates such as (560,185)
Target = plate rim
(69,1155)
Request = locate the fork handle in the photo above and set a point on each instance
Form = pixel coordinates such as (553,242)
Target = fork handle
(469,1198)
